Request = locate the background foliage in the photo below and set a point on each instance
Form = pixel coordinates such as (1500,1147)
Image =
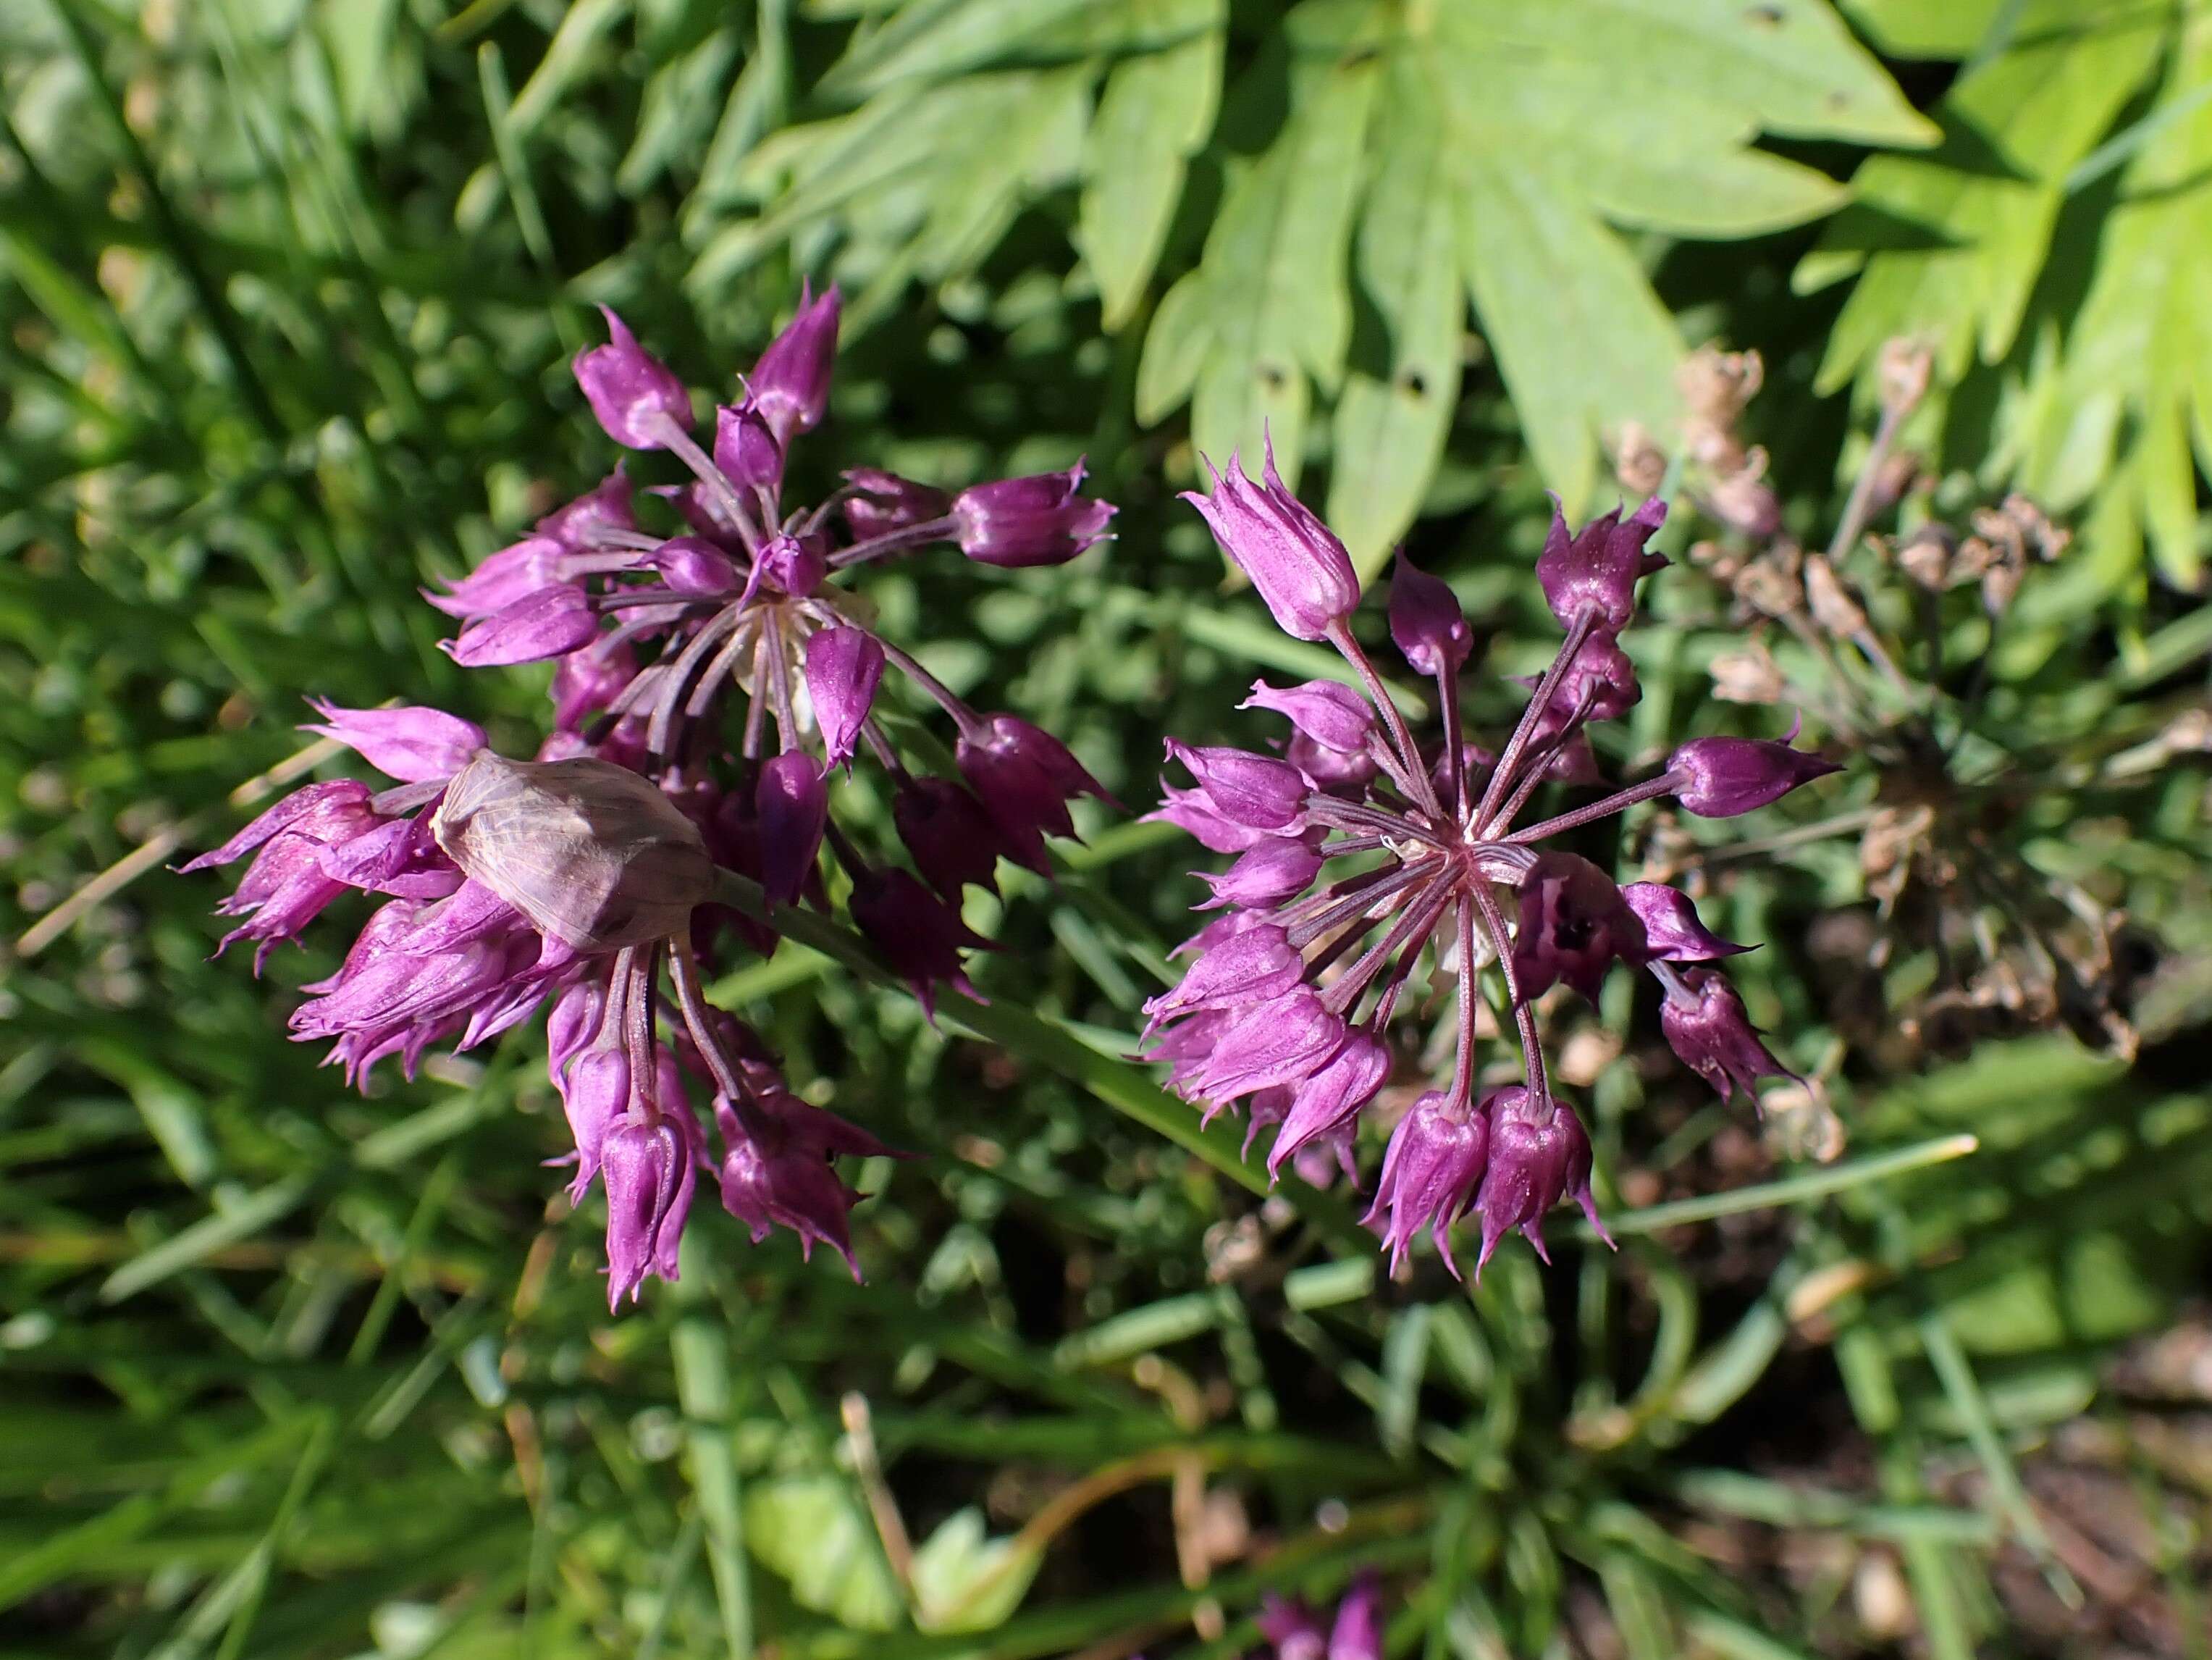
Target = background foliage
(290,288)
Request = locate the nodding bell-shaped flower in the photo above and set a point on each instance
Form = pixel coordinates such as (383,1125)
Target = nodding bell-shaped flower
(1596,571)
(844,665)
(594,855)
(776,1169)
(554,620)
(1721,777)
(1430,1170)
(1255,791)
(650,1162)
(631,391)
(1538,1155)
(1025,778)
(414,746)
(792,801)
(1709,1028)
(921,935)
(1672,932)
(1426,622)
(1329,1098)
(609,505)
(790,383)
(1037,520)
(1327,712)
(1298,568)
(1573,926)
(1283,1040)
(595,1093)
(883,503)
(948,836)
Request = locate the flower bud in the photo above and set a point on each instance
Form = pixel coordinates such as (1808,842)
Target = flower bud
(844,665)
(794,565)
(1253,790)
(1721,777)
(1437,1156)
(1329,712)
(746,451)
(1672,930)
(1426,621)
(793,807)
(1358,1632)
(884,502)
(631,391)
(414,746)
(1037,520)
(790,383)
(649,1163)
(591,854)
(1300,571)
(1597,570)
(1708,1026)
(549,622)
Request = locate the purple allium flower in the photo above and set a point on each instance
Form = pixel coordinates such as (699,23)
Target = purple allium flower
(550,622)
(1299,569)
(1295,1631)
(776,1169)
(1038,520)
(844,665)
(1426,623)
(880,503)
(1025,778)
(1363,854)
(793,806)
(650,1163)
(1326,712)
(1707,1025)
(919,934)
(790,385)
(571,882)
(635,395)
(1672,930)
(1721,777)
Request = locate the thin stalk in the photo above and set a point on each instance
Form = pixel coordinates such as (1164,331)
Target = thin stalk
(1409,754)
(1463,1060)
(686,449)
(1618,801)
(1413,926)
(1524,730)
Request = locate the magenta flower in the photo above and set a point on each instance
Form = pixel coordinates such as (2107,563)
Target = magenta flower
(1299,569)
(1018,522)
(573,883)
(1295,1631)
(1361,854)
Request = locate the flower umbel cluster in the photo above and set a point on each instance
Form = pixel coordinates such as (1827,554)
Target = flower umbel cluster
(1360,849)
(708,686)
